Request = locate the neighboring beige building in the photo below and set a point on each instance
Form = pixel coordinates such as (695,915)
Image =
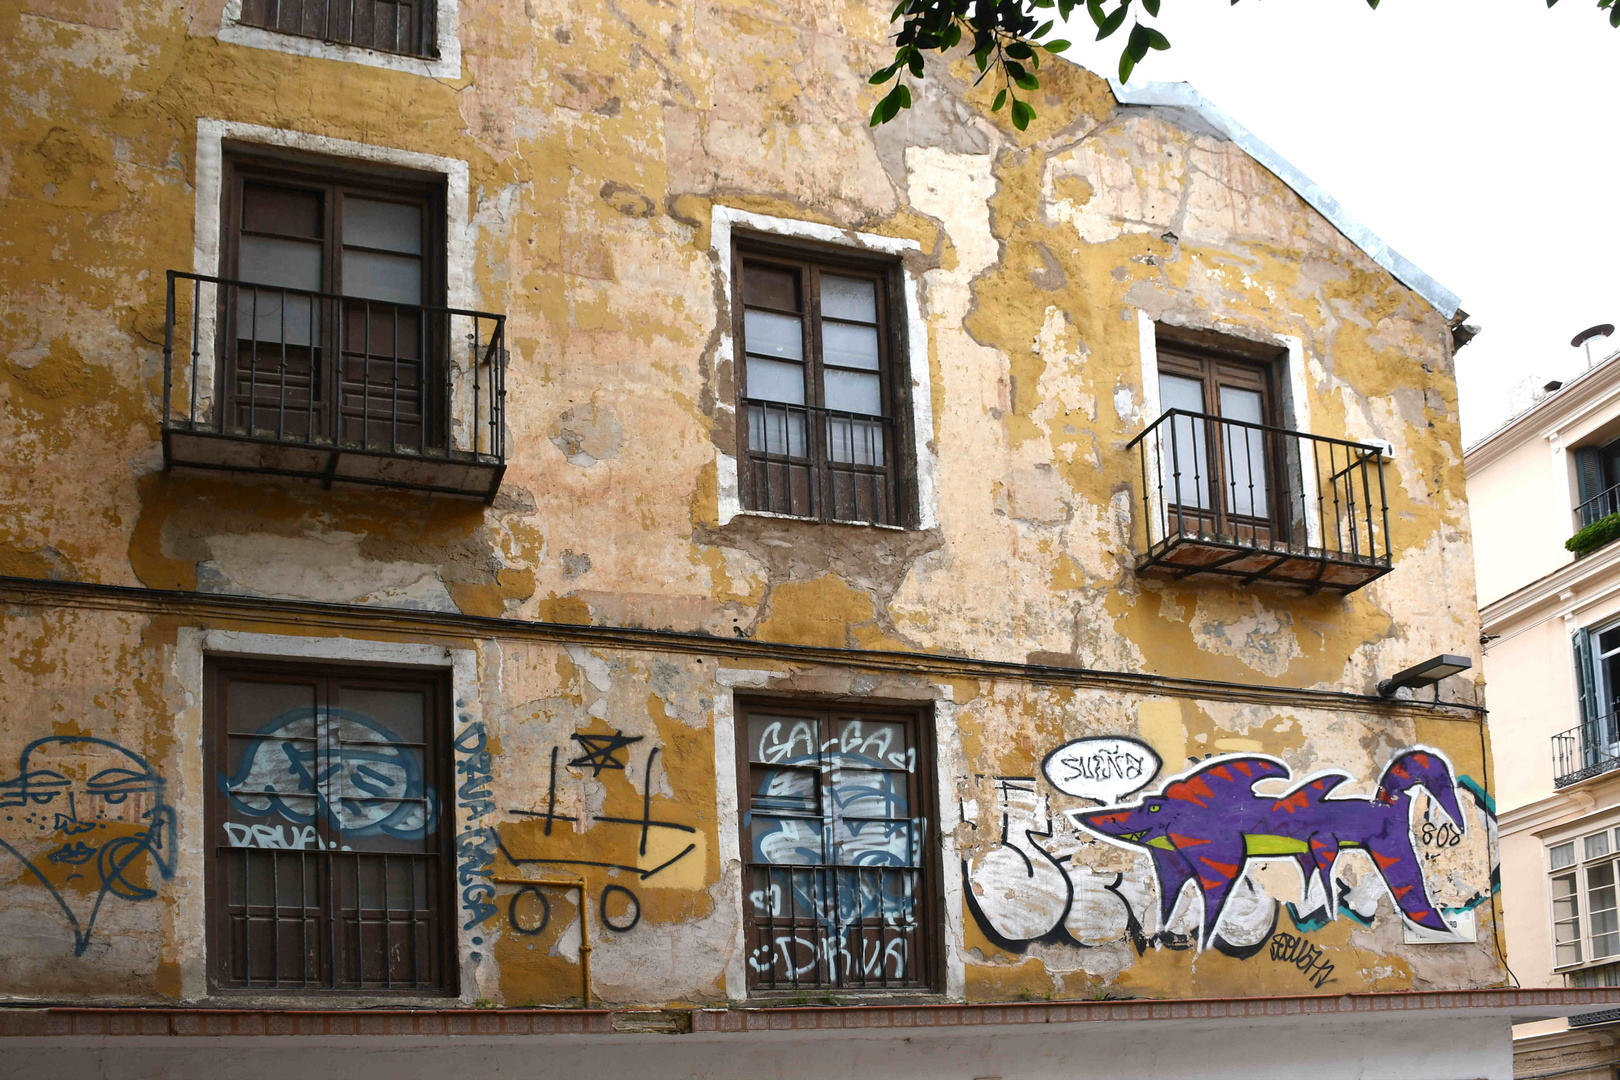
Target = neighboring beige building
(533,539)
(1551,624)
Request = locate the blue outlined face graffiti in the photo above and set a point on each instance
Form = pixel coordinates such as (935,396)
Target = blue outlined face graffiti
(334,766)
(86,817)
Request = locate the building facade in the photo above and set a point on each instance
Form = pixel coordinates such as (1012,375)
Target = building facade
(1542,491)
(535,521)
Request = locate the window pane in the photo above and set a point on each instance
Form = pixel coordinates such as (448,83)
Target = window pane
(1609,641)
(780,740)
(1596,845)
(787,841)
(849,391)
(390,226)
(777,431)
(849,346)
(862,741)
(374,276)
(770,334)
(874,843)
(1245,450)
(271,260)
(855,442)
(1566,919)
(1603,926)
(1242,405)
(849,298)
(1180,392)
(1563,855)
(871,793)
(775,380)
(786,791)
(1183,449)
(769,286)
(273,316)
(279,210)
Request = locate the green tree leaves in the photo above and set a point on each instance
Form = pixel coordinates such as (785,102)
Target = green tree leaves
(1007,37)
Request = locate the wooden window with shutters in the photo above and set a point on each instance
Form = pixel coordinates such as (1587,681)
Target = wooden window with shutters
(1597,477)
(819,397)
(840,875)
(1222,465)
(406,27)
(340,341)
(328,829)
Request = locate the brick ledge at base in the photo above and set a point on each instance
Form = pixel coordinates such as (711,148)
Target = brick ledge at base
(49,1021)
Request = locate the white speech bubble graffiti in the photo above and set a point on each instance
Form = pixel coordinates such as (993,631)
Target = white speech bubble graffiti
(1104,768)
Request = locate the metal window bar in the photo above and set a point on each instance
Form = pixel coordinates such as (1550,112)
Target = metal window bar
(829,464)
(1252,507)
(214,382)
(396,26)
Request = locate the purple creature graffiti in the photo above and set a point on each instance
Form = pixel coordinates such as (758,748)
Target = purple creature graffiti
(1207,824)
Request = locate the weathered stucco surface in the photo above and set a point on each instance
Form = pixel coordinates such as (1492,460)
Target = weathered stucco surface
(599,139)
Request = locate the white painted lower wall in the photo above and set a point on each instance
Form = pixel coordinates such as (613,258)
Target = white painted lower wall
(1407,1047)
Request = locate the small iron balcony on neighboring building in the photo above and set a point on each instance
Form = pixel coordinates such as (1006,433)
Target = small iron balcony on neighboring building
(1586,751)
(1260,503)
(336,388)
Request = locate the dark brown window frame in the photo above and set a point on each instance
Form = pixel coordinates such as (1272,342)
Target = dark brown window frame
(924,795)
(324,21)
(808,258)
(1218,360)
(333,179)
(442,943)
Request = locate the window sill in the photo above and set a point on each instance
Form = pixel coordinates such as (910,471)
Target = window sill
(447,65)
(1587,965)
(823,521)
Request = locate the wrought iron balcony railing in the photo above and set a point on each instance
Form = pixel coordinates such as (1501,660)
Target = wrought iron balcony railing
(1598,507)
(1586,751)
(1257,502)
(342,389)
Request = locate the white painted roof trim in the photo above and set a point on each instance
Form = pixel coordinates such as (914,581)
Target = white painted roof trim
(1182,95)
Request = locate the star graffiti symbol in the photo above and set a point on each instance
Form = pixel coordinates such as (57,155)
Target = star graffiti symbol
(599,751)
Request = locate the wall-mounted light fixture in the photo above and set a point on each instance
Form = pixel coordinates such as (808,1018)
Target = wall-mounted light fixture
(1427,673)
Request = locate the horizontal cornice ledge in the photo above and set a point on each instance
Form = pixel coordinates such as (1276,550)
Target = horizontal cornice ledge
(304,616)
(1545,590)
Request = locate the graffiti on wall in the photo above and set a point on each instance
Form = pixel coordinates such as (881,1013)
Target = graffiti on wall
(624,848)
(1204,828)
(331,765)
(477,842)
(1194,841)
(87,819)
(835,851)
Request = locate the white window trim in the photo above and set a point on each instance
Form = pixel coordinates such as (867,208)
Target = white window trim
(947,750)
(193,646)
(460,283)
(723,221)
(1295,407)
(1574,833)
(447,66)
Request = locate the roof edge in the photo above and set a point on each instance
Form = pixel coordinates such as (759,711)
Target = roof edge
(1184,96)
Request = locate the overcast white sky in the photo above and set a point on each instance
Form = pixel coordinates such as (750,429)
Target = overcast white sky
(1479,138)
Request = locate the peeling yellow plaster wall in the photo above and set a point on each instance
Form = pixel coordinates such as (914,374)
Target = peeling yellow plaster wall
(598,139)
